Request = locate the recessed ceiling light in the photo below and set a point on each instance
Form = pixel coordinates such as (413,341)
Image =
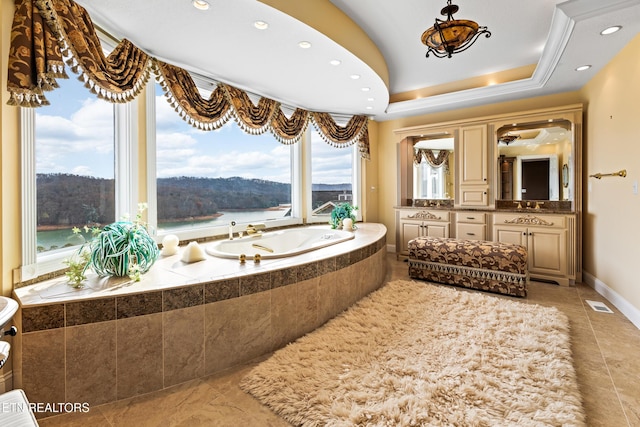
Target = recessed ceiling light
(366,89)
(611,30)
(371,99)
(355,76)
(335,62)
(369,108)
(261,25)
(200,4)
(583,67)
(304,44)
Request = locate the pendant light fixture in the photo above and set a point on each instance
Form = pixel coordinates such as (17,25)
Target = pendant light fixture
(453,35)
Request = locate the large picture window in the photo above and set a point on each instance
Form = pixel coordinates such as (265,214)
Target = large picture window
(79,157)
(333,176)
(74,161)
(207,179)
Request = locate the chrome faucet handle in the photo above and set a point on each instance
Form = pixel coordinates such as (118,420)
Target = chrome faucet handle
(231,225)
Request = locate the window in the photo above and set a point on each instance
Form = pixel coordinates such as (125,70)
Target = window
(78,160)
(432,181)
(74,162)
(206,179)
(334,176)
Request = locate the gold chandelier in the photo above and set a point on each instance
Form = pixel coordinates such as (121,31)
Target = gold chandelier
(453,35)
(508,138)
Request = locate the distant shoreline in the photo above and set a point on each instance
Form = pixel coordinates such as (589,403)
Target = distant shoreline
(193,218)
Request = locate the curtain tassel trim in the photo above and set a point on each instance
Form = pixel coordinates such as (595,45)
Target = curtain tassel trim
(44,32)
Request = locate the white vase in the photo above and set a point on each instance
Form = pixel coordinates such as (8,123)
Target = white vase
(347,224)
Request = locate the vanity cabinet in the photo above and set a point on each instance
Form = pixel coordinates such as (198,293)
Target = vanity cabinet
(414,223)
(546,239)
(473,168)
(514,177)
(471,225)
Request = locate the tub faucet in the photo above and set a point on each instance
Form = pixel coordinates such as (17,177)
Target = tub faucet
(231,225)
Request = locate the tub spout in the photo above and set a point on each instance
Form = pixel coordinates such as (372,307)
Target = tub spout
(231,225)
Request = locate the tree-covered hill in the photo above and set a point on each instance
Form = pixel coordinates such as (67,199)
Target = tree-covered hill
(186,197)
(68,200)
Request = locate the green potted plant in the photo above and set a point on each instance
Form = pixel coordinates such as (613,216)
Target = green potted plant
(341,212)
(123,248)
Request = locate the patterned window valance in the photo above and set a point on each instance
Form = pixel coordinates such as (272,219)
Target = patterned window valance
(46,31)
(435,160)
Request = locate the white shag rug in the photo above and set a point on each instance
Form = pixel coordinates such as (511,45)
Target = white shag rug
(417,354)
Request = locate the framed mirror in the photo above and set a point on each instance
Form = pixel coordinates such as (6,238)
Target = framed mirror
(433,165)
(535,161)
(426,165)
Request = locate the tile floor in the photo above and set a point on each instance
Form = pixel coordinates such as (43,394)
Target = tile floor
(606,351)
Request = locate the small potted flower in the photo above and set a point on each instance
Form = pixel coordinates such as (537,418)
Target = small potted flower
(341,212)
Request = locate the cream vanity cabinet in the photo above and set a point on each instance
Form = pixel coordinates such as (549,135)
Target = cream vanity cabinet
(473,168)
(414,223)
(546,238)
(471,225)
(514,177)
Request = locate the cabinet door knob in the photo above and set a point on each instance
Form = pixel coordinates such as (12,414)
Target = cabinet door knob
(524,233)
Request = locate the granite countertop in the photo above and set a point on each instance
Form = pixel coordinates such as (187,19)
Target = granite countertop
(490,210)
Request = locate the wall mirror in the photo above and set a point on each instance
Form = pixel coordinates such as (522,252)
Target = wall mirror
(535,161)
(433,165)
(426,165)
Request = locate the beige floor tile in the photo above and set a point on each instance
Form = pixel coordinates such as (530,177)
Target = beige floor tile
(605,348)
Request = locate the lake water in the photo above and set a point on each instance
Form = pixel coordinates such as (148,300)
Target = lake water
(52,239)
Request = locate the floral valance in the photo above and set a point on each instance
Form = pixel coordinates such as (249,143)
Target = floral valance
(224,102)
(46,31)
(439,159)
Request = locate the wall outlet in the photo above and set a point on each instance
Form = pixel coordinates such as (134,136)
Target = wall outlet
(635,187)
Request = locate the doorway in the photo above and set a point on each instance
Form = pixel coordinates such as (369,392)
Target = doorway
(535,179)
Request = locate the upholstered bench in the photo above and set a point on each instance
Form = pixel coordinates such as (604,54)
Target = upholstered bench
(487,266)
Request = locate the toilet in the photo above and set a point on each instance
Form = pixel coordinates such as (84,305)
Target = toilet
(15,410)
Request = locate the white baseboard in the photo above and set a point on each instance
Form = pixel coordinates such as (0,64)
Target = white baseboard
(6,382)
(625,307)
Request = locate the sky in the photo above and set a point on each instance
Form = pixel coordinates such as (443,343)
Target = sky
(75,135)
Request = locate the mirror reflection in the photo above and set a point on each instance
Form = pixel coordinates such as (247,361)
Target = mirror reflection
(433,165)
(535,162)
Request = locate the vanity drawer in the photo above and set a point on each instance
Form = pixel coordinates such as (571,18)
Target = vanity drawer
(471,231)
(472,217)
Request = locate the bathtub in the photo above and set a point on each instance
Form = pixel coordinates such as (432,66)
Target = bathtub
(232,313)
(279,244)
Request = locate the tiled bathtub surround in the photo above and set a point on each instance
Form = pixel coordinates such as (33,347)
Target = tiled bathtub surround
(112,342)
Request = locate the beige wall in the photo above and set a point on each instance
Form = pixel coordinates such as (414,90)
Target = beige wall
(10,237)
(611,230)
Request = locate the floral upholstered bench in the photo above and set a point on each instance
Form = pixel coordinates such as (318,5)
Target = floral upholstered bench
(487,266)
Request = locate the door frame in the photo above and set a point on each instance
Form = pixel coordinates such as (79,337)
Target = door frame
(554,182)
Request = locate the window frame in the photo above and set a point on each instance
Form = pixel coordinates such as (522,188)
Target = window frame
(35,264)
(356,181)
(296,217)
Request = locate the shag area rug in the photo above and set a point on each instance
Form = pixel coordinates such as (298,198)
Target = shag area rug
(417,354)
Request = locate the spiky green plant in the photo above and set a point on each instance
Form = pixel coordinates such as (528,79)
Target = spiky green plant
(340,212)
(119,249)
